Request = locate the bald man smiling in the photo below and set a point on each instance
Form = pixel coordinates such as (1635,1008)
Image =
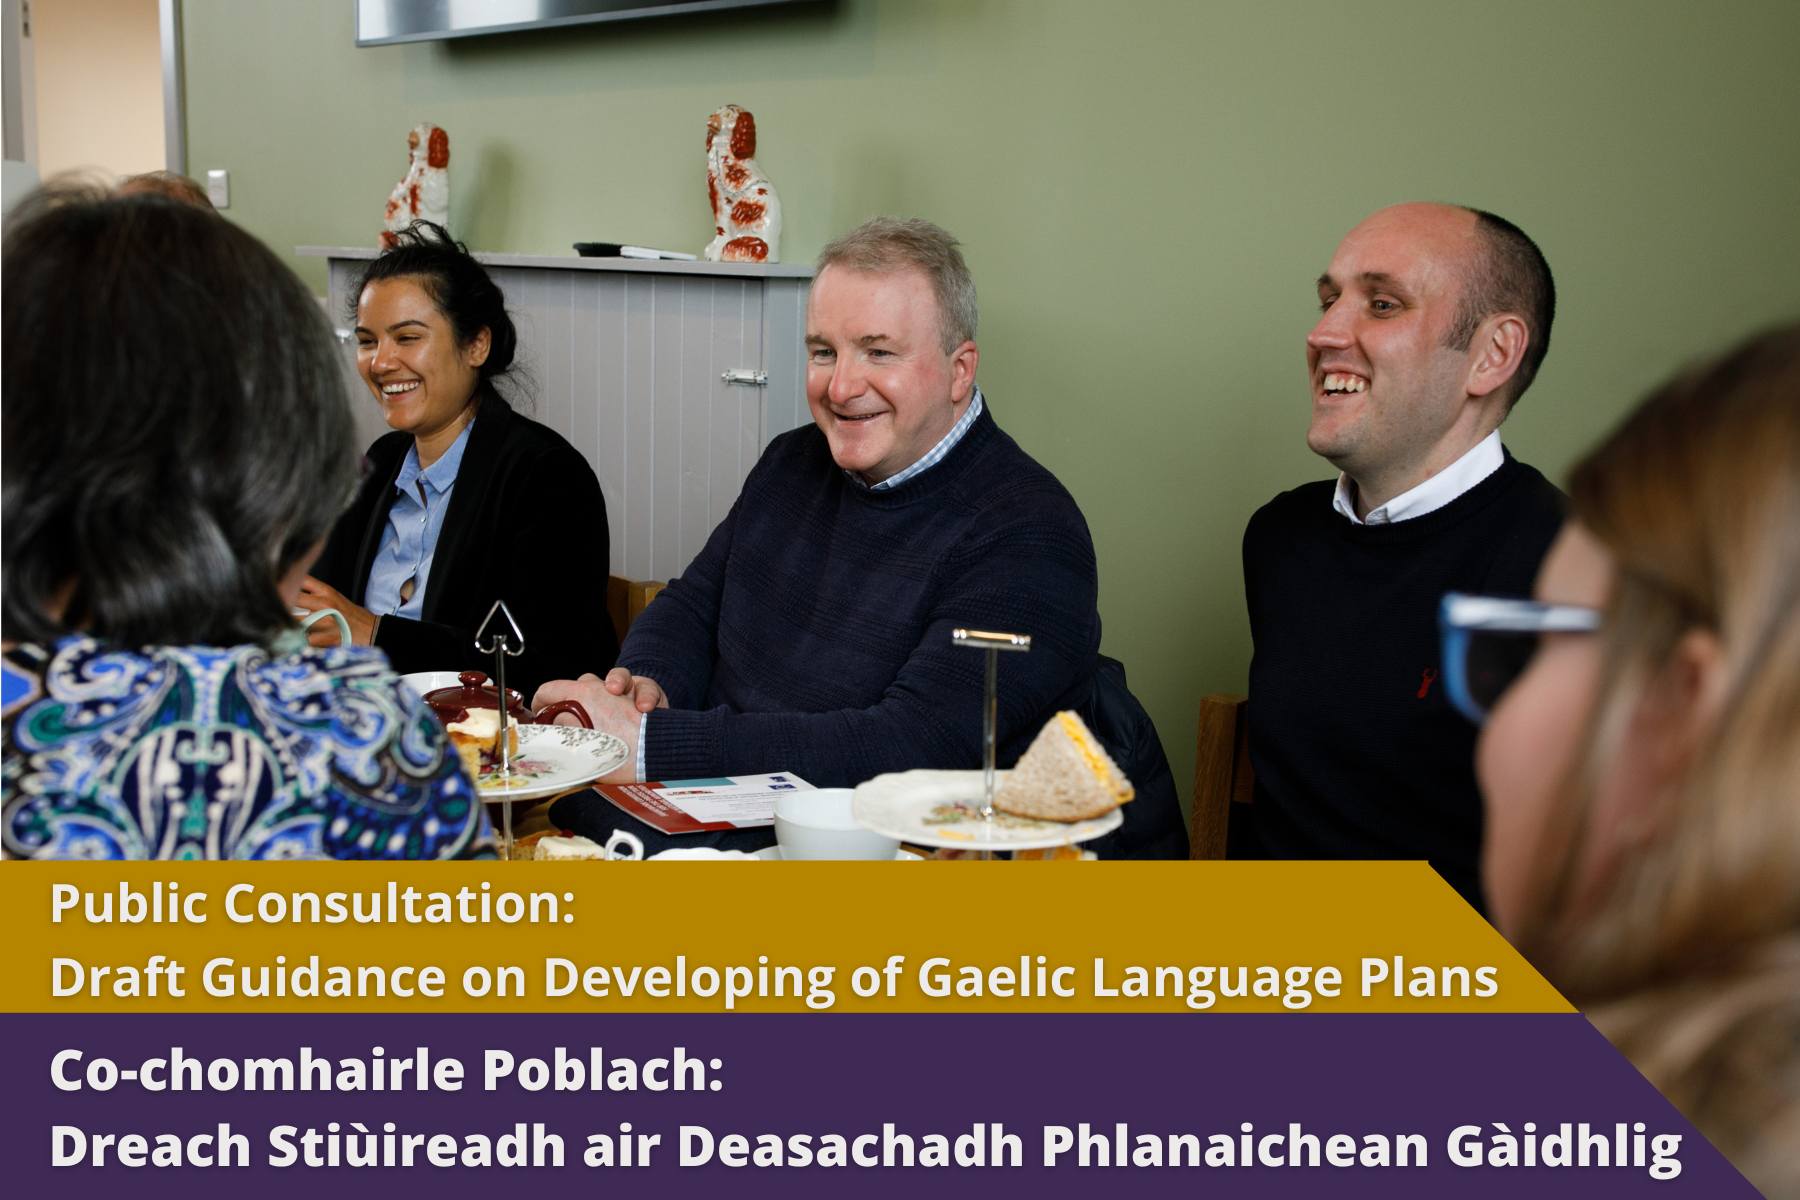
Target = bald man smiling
(1433,322)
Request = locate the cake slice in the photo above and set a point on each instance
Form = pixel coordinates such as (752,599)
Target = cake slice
(477,738)
(1066,775)
(572,848)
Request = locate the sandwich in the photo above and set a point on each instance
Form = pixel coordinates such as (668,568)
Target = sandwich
(1066,775)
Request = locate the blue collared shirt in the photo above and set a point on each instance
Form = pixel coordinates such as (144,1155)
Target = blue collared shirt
(933,456)
(410,537)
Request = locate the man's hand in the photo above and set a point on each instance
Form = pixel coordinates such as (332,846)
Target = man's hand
(316,594)
(609,711)
(644,691)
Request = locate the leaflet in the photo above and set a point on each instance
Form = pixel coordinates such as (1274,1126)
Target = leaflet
(702,805)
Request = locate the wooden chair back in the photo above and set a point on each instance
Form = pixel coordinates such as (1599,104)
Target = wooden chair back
(626,599)
(1222,774)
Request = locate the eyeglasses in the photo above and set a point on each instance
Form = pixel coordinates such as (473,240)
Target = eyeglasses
(1489,640)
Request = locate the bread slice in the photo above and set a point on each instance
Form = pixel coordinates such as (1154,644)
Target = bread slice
(477,738)
(1066,775)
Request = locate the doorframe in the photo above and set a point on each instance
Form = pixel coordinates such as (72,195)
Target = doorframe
(174,91)
(20,98)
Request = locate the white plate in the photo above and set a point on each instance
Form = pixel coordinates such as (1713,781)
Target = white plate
(430,681)
(773,854)
(704,854)
(553,759)
(943,808)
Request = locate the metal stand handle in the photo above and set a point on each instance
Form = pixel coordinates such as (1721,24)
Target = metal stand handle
(993,643)
(505,641)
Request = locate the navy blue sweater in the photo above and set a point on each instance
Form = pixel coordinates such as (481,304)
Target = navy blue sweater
(812,633)
(1357,752)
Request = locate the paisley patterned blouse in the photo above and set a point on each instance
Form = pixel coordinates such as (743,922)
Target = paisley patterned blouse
(210,752)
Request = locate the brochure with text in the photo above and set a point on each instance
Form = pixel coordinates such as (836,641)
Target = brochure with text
(699,805)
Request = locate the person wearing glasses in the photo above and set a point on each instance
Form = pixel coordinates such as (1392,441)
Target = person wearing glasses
(177,442)
(467,501)
(1434,321)
(1641,752)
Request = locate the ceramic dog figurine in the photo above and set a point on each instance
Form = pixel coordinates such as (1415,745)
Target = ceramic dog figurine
(424,193)
(746,211)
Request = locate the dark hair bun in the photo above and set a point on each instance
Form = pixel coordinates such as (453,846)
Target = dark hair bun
(503,344)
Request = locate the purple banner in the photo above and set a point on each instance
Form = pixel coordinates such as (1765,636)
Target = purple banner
(1061,1105)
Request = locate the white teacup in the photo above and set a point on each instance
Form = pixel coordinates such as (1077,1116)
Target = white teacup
(307,619)
(623,845)
(818,824)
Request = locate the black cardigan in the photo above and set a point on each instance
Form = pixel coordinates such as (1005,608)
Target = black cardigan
(526,524)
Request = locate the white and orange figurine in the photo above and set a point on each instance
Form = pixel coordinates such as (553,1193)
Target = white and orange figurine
(423,194)
(746,211)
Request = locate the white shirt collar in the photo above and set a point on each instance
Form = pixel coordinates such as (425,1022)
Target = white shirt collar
(1483,460)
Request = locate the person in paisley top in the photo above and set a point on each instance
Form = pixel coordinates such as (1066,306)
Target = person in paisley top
(177,442)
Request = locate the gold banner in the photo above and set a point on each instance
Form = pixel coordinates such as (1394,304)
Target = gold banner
(715,937)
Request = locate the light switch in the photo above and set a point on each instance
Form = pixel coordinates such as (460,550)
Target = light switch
(218,188)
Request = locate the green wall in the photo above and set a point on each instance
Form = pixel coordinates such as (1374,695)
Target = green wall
(1145,192)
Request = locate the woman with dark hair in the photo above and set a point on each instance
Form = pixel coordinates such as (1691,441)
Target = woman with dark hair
(177,442)
(1643,774)
(467,501)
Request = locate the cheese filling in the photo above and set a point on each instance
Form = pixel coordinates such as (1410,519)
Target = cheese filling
(1077,733)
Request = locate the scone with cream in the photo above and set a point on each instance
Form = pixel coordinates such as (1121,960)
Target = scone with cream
(568,849)
(477,738)
(1066,775)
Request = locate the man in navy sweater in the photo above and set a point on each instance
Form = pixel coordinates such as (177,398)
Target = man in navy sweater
(812,633)
(1434,321)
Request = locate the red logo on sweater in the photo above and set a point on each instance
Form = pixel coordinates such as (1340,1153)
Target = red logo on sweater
(1426,679)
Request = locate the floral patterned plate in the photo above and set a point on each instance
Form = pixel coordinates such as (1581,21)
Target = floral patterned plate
(943,808)
(552,759)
